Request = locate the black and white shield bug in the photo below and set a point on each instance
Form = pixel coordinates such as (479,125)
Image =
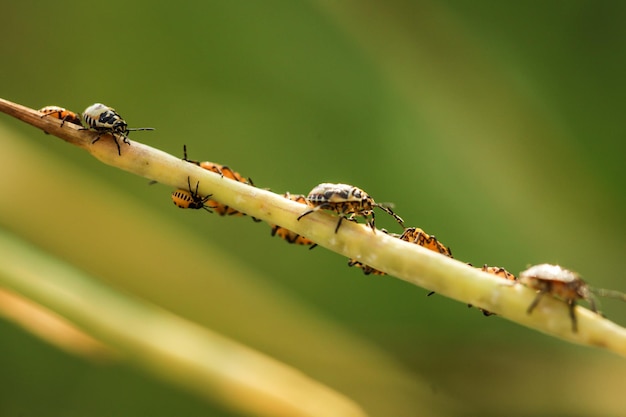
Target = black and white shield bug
(347,201)
(190,199)
(104,119)
(62,114)
(564,284)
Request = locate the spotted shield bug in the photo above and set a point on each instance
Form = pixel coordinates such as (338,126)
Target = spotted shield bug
(190,199)
(367,270)
(288,235)
(62,114)
(412,235)
(345,200)
(103,119)
(225,172)
(498,271)
(419,237)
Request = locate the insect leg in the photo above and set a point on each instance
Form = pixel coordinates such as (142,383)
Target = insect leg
(532,305)
(572,313)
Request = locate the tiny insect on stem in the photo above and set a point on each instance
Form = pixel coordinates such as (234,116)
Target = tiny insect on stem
(190,199)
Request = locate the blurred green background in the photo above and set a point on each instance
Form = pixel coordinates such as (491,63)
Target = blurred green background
(497,126)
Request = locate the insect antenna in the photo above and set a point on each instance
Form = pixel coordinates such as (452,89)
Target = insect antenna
(139,128)
(609,293)
(385,207)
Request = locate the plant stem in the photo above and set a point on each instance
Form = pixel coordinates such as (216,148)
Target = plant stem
(409,262)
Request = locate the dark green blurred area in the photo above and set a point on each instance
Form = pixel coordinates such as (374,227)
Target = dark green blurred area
(496,126)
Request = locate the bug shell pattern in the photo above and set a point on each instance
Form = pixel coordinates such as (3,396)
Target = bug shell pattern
(287,234)
(190,199)
(104,119)
(341,198)
(558,282)
(419,237)
(344,200)
(62,114)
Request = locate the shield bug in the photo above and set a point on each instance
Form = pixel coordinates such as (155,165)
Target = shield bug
(367,270)
(559,282)
(190,199)
(345,200)
(412,235)
(62,114)
(500,272)
(225,172)
(103,119)
(419,237)
(288,235)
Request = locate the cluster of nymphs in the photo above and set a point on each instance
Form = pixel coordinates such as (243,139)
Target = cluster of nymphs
(348,202)
(98,118)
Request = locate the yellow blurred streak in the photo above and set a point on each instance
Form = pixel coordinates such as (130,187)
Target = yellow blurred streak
(52,328)
(167,346)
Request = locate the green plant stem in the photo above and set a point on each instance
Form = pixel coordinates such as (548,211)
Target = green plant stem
(403,260)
